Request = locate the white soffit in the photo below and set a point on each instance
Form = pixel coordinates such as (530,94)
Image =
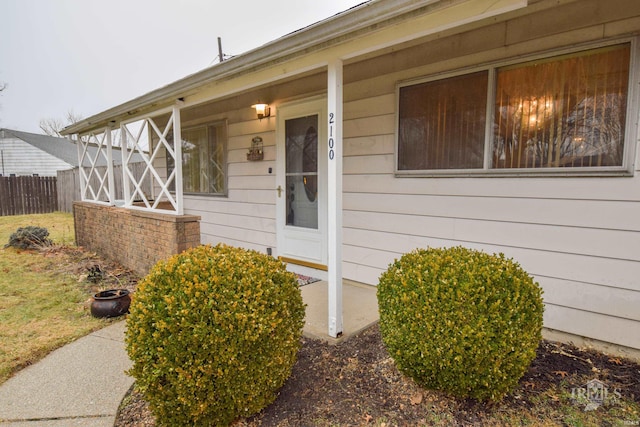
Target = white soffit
(456,15)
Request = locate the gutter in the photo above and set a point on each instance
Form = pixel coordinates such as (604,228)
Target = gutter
(371,14)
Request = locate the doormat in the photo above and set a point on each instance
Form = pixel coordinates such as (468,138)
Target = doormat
(305,280)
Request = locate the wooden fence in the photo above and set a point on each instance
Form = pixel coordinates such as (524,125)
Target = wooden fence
(20,195)
(69,184)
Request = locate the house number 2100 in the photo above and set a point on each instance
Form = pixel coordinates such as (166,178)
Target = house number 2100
(331,140)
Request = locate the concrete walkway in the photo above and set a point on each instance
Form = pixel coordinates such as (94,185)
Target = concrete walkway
(83,383)
(80,384)
(359,308)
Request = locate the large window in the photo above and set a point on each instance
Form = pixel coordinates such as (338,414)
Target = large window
(203,159)
(442,123)
(551,114)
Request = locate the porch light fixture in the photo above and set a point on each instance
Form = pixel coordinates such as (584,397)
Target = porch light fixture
(262,110)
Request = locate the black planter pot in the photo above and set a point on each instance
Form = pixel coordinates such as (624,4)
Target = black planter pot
(111,303)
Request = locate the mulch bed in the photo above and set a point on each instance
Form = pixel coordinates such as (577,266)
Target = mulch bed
(356,383)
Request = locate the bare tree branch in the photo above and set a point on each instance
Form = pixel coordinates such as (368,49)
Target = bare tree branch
(72,117)
(53,126)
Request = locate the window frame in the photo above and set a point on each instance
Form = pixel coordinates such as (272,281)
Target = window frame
(212,123)
(631,129)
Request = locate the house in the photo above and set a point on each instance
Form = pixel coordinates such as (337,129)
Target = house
(503,125)
(24,153)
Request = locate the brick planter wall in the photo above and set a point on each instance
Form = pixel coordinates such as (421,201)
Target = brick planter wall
(133,238)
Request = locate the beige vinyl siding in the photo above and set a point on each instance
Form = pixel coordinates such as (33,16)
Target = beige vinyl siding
(550,262)
(597,214)
(21,158)
(245,217)
(611,329)
(600,243)
(579,237)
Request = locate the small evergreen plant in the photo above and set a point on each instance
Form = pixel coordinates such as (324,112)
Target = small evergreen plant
(461,321)
(213,333)
(30,237)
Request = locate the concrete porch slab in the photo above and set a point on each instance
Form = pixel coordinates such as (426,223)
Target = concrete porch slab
(359,309)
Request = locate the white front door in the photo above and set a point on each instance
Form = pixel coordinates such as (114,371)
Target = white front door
(301,179)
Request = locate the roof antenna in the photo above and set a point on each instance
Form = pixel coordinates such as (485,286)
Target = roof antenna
(220,54)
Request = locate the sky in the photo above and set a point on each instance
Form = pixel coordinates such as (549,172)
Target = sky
(87,56)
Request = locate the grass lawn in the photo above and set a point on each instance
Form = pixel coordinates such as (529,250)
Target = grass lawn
(42,306)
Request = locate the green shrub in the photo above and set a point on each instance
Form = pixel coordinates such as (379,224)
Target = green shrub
(460,320)
(30,237)
(213,333)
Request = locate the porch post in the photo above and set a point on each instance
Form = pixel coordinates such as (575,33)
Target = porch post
(177,147)
(110,177)
(124,149)
(334,131)
(83,181)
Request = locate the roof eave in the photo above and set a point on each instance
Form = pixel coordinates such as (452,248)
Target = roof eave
(299,42)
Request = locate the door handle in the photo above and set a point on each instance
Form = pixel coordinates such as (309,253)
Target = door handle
(279,190)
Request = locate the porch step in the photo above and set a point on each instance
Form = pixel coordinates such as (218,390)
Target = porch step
(359,308)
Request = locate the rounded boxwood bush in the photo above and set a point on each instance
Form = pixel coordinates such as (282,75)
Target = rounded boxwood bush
(213,333)
(461,321)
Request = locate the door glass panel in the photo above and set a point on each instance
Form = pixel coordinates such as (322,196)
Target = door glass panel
(301,171)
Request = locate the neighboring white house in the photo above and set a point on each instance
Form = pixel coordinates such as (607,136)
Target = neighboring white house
(503,125)
(24,153)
